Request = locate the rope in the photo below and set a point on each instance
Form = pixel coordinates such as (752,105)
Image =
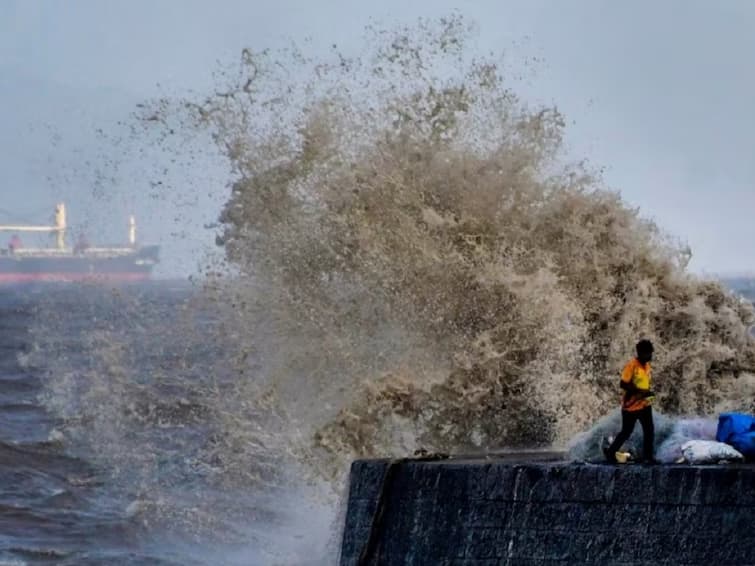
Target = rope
(371,549)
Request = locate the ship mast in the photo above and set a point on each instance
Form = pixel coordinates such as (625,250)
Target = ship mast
(59,228)
(132,230)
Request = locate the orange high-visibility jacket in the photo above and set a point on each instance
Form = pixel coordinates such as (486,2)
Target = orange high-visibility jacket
(642,378)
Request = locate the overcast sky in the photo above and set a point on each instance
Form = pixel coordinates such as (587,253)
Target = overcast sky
(660,93)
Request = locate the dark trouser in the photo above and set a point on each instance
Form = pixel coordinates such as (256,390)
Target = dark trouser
(628,420)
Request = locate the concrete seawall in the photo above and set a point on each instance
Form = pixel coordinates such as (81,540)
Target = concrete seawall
(491,512)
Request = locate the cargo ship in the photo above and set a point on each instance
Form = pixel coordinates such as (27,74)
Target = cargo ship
(78,262)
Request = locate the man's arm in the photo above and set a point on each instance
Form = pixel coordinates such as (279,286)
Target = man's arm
(632,389)
(627,383)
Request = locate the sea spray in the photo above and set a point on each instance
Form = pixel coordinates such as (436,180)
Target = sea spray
(414,263)
(436,270)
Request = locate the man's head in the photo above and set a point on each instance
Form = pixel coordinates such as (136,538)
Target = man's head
(644,351)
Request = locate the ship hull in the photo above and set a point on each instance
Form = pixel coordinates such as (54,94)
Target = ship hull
(133,265)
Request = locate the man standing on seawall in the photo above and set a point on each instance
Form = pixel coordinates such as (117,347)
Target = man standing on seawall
(636,403)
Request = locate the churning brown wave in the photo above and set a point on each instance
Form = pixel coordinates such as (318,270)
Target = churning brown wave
(420,265)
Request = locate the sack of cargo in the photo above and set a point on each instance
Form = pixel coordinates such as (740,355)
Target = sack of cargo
(737,430)
(709,452)
(669,450)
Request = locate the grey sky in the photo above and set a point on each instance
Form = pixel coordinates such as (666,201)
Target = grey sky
(660,92)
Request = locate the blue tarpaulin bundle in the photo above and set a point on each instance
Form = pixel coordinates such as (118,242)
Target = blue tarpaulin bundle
(738,430)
